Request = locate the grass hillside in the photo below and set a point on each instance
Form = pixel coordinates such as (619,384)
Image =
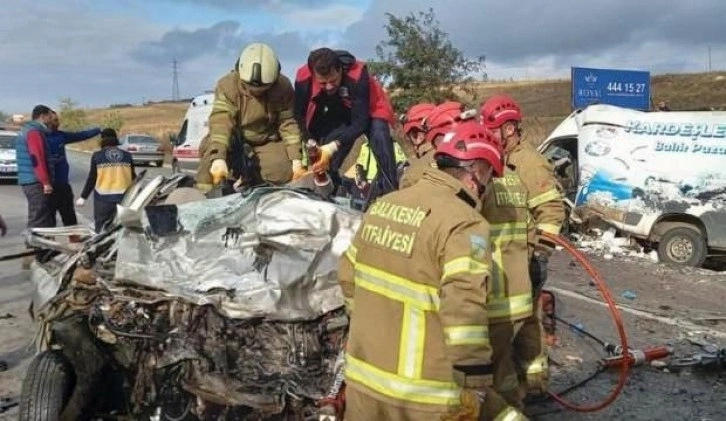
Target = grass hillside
(545,103)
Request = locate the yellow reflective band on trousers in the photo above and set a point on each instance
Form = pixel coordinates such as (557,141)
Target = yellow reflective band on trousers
(466,335)
(416,299)
(467,265)
(545,197)
(509,306)
(537,366)
(401,388)
(510,414)
(549,228)
(502,234)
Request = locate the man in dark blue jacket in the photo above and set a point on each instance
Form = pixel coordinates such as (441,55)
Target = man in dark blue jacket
(62,190)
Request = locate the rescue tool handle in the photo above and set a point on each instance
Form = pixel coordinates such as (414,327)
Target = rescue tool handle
(636,357)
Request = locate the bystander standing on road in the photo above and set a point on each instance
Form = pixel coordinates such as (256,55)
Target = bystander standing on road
(3,227)
(35,175)
(112,172)
(62,190)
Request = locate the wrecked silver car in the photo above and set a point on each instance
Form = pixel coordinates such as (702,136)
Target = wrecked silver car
(224,308)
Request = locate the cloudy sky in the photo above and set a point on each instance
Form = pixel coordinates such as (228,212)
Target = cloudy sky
(100,52)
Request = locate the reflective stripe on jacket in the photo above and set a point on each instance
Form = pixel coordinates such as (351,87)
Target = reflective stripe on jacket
(415,279)
(369,163)
(505,207)
(544,199)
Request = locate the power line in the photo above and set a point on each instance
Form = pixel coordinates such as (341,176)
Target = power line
(175,82)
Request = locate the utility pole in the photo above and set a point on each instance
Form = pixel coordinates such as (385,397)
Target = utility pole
(709,59)
(175,82)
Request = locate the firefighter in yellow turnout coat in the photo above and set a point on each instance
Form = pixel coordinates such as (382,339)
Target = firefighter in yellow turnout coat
(523,202)
(256,100)
(415,279)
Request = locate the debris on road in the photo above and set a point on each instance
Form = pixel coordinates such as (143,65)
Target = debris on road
(629,294)
(574,359)
(605,242)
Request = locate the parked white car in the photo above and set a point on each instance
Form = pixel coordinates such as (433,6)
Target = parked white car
(8,158)
(144,149)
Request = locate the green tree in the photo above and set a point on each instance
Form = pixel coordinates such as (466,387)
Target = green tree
(72,118)
(113,120)
(419,62)
(4,117)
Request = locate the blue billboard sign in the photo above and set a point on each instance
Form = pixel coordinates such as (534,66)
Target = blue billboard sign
(623,88)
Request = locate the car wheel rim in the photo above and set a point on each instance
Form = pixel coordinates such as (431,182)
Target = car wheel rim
(680,249)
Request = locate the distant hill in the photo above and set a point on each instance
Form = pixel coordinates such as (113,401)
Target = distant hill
(697,91)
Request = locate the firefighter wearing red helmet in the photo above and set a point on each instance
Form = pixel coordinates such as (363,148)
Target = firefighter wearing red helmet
(415,281)
(524,200)
(440,120)
(413,126)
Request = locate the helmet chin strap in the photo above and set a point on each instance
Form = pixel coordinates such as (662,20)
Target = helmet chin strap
(421,149)
(484,187)
(481,188)
(257,90)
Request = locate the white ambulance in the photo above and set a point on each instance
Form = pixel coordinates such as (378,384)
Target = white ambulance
(659,177)
(185,156)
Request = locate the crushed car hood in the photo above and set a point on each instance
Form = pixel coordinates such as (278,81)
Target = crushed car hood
(271,254)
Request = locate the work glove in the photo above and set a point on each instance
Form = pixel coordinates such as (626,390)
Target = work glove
(80,202)
(218,170)
(297,169)
(326,155)
(469,407)
(482,404)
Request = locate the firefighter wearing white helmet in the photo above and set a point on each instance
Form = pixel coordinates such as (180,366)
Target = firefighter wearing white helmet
(253,136)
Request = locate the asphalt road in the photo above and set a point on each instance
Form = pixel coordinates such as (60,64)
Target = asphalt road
(660,305)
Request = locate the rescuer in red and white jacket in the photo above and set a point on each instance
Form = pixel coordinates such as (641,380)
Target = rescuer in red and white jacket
(336,102)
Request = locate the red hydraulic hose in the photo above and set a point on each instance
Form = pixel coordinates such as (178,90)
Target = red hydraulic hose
(605,292)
